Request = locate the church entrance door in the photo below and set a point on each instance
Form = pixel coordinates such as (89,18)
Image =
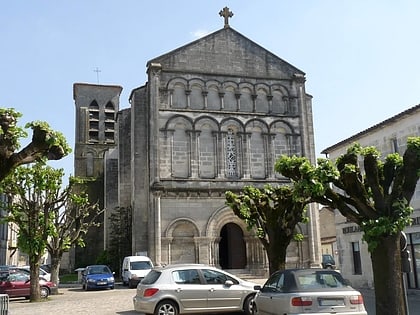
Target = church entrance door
(232,251)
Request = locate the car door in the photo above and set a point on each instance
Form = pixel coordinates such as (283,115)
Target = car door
(271,300)
(220,295)
(189,290)
(17,284)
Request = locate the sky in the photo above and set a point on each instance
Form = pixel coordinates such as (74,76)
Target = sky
(361,57)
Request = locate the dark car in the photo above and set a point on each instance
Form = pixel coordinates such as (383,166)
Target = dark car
(17,284)
(328,262)
(97,277)
(312,291)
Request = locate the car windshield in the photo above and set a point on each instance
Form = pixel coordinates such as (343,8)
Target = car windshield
(320,280)
(98,270)
(140,265)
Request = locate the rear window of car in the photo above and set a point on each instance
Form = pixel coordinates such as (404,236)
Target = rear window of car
(151,277)
(320,280)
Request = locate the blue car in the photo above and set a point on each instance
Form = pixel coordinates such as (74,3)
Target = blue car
(97,277)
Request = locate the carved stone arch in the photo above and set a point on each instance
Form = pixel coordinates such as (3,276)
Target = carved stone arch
(177,93)
(176,119)
(281,101)
(196,94)
(231,122)
(182,247)
(208,120)
(172,226)
(230,97)
(252,123)
(221,217)
(213,98)
(230,237)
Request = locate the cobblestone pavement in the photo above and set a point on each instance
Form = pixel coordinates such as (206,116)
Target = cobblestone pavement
(75,301)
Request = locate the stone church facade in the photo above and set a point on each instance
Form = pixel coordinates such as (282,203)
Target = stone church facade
(214,115)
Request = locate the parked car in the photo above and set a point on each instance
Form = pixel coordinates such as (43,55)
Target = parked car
(97,277)
(16,283)
(314,291)
(42,272)
(192,289)
(328,262)
(134,269)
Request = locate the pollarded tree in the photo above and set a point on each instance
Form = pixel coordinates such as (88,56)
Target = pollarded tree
(46,143)
(274,213)
(48,217)
(73,217)
(377,199)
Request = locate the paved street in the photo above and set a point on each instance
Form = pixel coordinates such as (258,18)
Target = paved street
(74,301)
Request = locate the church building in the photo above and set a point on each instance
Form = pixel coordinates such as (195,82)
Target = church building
(213,116)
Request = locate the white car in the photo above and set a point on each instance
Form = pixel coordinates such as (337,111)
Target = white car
(42,273)
(192,289)
(134,269)
(312,291)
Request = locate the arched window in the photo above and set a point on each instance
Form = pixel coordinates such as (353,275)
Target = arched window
(231,155)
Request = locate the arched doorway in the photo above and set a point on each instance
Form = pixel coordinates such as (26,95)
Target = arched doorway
(232,251)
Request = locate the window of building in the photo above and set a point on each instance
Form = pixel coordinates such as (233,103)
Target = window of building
(394,145)
(231,156)
(89,164)
(357,262)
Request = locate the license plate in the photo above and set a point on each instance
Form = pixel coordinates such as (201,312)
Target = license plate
(331,302)
(101,283)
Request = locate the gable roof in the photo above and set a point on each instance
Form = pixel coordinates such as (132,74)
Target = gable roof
(380,125)
(226,52)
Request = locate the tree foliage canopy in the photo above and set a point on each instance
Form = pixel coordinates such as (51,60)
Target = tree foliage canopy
(273,212)
(48,217)
(46,143)
(375,194)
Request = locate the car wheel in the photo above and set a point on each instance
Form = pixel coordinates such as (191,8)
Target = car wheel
(166,308)
(130,284)
(86,287)
(45,292)
(248,305)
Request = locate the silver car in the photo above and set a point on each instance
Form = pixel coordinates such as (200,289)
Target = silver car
(192,289)
(308,291)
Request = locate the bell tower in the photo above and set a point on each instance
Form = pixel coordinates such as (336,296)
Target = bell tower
(96,133)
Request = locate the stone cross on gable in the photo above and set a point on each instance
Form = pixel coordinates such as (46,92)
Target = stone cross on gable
(226,14)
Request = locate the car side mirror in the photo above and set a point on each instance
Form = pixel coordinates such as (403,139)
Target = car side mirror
(257,287)
(346,282)
(228,283)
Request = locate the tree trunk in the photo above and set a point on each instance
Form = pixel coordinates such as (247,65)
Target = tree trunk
(55,269)
(276,252)
(387,275)
(34,274)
